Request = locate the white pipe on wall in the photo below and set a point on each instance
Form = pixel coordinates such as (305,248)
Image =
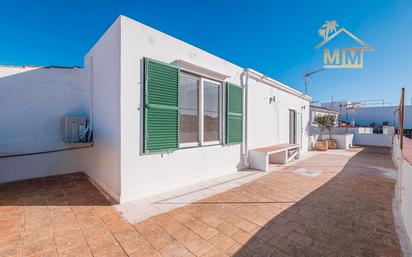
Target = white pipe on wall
(245,86)
(91,80)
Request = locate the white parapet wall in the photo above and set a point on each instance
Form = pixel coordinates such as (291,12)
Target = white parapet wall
(32,101)
(343,141)
(403,196)
(360,136)
(373,139)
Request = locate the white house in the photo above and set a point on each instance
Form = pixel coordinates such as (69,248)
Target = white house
(164,114)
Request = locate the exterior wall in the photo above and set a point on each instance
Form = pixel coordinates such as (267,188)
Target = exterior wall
(143,175)
(103,68)
(366,115)
(32,102)
(404,186)
(373,139)
(108,91)
(147,174)
(343,141)
(267,121)
(361,136)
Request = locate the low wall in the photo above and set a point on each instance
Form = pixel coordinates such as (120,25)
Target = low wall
(343,141)
(35,99)
(361,136)
(403,162)
(373,139)
(42,165)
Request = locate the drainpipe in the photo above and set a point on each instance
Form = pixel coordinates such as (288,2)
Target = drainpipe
(91,82)
(245,86)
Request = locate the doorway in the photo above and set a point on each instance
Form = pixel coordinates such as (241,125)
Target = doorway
(292,127)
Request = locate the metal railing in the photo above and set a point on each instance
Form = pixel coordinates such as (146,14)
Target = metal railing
(401,113)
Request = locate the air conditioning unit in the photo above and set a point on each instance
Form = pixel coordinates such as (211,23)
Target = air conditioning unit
(74,129)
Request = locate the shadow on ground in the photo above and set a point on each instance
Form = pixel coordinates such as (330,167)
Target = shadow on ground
(350,215)
(64,190)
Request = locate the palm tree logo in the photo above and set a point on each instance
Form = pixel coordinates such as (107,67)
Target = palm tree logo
(328,29)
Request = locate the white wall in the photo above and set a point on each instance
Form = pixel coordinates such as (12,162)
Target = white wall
(366,115)
(404,186)
(32,102)
(343,141)
(103,62)
(143,175)
(268,122)
(361,136)
(373,139)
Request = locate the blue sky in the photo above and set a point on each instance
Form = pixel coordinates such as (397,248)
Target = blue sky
(276,38)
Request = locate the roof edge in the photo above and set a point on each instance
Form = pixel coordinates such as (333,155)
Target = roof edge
(40,66)
(278,84)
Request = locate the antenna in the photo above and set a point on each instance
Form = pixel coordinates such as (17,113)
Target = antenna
(306,77)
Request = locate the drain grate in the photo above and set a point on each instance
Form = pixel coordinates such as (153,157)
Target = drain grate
(308,172)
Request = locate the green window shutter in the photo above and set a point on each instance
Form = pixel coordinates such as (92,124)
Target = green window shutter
(161,110)
(234,114)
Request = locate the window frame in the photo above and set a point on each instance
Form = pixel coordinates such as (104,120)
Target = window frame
(220,87)
(192,76)
(201,141)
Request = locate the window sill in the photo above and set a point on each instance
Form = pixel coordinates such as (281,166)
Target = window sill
(200,146)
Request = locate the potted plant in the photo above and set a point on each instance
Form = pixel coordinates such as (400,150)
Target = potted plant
(321,145)
(330,124)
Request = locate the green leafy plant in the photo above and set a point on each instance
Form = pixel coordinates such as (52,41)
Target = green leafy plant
(325,122)
(330,124)
(321,122)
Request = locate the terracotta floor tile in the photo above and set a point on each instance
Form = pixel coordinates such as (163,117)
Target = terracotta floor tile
(201,229)
(222,242)
(345,211)
(155,235)
(147,251)
(80,251)
(48,253)
(134,244)
(174,249)
(38,246)
(70,241)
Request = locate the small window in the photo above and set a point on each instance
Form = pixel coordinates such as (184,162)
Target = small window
(189,111)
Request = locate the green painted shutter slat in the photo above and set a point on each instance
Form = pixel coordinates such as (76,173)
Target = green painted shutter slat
(161,109)
(234,114)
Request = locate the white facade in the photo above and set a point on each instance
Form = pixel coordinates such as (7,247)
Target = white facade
(114,78)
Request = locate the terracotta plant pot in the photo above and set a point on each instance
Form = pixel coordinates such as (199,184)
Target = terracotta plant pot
(332,144)
(321,145)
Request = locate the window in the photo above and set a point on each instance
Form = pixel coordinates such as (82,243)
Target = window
(211,123)
(292,127)
(189,110)
(200,111)
(183,110)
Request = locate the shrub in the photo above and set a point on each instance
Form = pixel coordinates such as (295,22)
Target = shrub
(324,122)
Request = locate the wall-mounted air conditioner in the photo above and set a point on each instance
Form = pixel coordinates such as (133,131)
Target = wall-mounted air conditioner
(74,129)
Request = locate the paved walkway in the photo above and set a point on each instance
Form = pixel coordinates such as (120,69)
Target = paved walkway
(328,205)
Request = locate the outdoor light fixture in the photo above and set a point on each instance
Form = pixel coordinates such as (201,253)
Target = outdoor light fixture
(272,99)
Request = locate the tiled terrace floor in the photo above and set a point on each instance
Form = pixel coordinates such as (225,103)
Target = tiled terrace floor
(342,209)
